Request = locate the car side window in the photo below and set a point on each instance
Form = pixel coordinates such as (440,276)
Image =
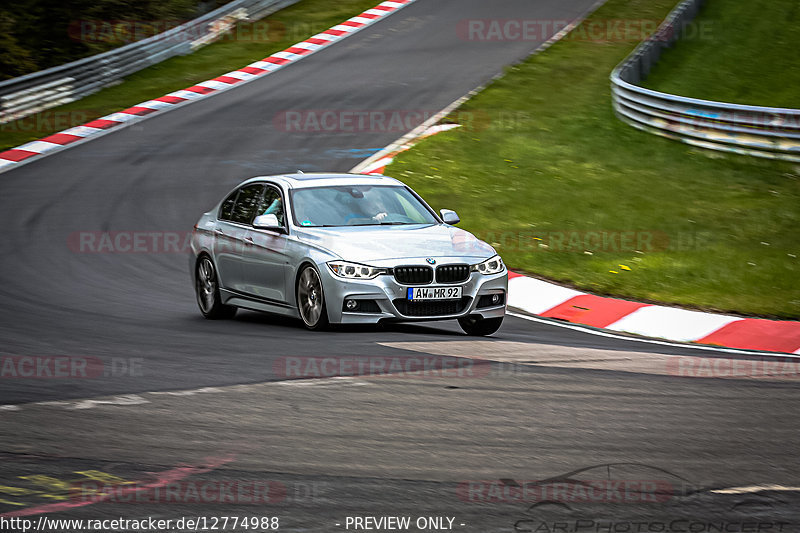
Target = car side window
(244,211)
(226,209)
(272,204)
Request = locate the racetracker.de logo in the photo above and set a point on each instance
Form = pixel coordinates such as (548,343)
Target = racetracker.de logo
(595,30)
(46,122)
(240,492)
(423,366)
(68,367)
(580,241)
(139,242)
(397,121)
(708,367)
(126,31)
(572,491)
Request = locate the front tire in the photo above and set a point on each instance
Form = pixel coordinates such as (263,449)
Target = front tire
(206,287)
(479,327)
(311,299)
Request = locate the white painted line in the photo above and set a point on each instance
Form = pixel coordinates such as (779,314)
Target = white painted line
(679,325)
(130,399)
(439,128)
(377,164)
(413,135)
(324,382)
(602,333)
(4,163)
(190,392)
(756,488)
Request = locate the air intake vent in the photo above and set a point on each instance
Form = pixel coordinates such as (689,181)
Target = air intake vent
(413,275)
(452,273)
(432,307)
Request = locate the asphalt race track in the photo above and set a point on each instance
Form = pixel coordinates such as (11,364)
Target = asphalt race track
(209,398)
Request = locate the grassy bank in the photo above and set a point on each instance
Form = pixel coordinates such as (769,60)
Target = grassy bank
(740,51)
(247,43)
(564,190)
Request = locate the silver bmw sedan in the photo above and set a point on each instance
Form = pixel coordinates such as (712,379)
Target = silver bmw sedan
(343,249)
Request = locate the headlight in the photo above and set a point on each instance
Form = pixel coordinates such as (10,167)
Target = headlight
(490,266)
(343,269)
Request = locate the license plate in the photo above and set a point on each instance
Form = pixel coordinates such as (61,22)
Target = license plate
(434,293)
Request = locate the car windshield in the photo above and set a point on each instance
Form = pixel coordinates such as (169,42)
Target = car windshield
(358,205)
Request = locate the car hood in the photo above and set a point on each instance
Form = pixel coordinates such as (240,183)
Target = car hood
(372,244)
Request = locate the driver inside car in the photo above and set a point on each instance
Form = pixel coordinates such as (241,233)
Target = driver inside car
(364,207)
(275,208)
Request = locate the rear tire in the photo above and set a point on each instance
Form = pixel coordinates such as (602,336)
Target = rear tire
(479,327)
(311,299)
(206,286)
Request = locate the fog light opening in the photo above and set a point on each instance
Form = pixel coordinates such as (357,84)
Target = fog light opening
(351,305)
(495,298)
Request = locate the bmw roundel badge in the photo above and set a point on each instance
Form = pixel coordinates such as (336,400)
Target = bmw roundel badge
(431,261)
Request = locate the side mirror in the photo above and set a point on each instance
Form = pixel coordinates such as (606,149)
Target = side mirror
(449,216)
(267,222)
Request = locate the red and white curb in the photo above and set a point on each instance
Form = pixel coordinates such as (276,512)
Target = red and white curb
(548,300)
(36,149)
(378,165)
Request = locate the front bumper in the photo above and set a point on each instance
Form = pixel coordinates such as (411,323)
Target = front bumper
(390,295)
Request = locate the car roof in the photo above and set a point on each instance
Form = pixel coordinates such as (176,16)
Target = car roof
(320,179)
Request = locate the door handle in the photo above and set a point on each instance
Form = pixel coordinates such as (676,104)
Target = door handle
(249,241)
(219,231)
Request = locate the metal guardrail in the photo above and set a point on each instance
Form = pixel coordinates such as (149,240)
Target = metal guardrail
(770,132)
(25,95)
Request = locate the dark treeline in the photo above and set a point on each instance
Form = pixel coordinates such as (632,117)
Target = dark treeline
(37,34)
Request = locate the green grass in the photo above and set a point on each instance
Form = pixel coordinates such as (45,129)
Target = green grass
(741,51)
(249,42)
(543,156)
